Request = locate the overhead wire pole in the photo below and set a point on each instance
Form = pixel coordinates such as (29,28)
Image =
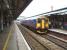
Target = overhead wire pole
(1,15)
(51,8)
(9,9)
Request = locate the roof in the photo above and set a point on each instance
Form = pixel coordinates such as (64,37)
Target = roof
(11,9)
(62,10)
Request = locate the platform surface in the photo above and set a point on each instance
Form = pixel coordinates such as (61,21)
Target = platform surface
(15,40)
(59,30)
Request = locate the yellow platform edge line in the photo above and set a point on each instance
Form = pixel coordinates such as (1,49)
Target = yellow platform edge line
(5,45)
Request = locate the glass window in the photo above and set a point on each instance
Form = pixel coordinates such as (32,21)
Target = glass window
(39,20)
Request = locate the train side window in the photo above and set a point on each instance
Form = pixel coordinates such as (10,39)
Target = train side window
(65,19)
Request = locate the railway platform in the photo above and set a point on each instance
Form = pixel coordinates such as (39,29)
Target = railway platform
(3,36)
(12,39)
(59,31)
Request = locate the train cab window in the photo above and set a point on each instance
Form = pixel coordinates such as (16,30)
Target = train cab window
(46,20)
(39,20)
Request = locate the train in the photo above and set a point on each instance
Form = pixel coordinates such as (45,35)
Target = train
(43,23)
(51,20)
(39,25)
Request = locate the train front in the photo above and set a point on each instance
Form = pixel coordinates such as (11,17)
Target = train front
(42,25)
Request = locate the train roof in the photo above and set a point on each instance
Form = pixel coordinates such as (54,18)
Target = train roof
(59,11)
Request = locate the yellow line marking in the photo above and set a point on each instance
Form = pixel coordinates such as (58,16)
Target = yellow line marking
(5,46)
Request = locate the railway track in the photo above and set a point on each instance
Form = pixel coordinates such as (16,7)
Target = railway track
(55,37)
(41,39)
(56,40)
(60,35)
(33,43)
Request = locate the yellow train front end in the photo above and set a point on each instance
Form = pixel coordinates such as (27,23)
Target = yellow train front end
(42,25)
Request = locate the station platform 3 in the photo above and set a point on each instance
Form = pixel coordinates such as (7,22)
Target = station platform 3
(15,40)
(59,31)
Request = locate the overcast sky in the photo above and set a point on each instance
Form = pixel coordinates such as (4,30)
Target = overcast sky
(41,6)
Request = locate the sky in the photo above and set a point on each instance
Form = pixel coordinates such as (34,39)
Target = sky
(41,6)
